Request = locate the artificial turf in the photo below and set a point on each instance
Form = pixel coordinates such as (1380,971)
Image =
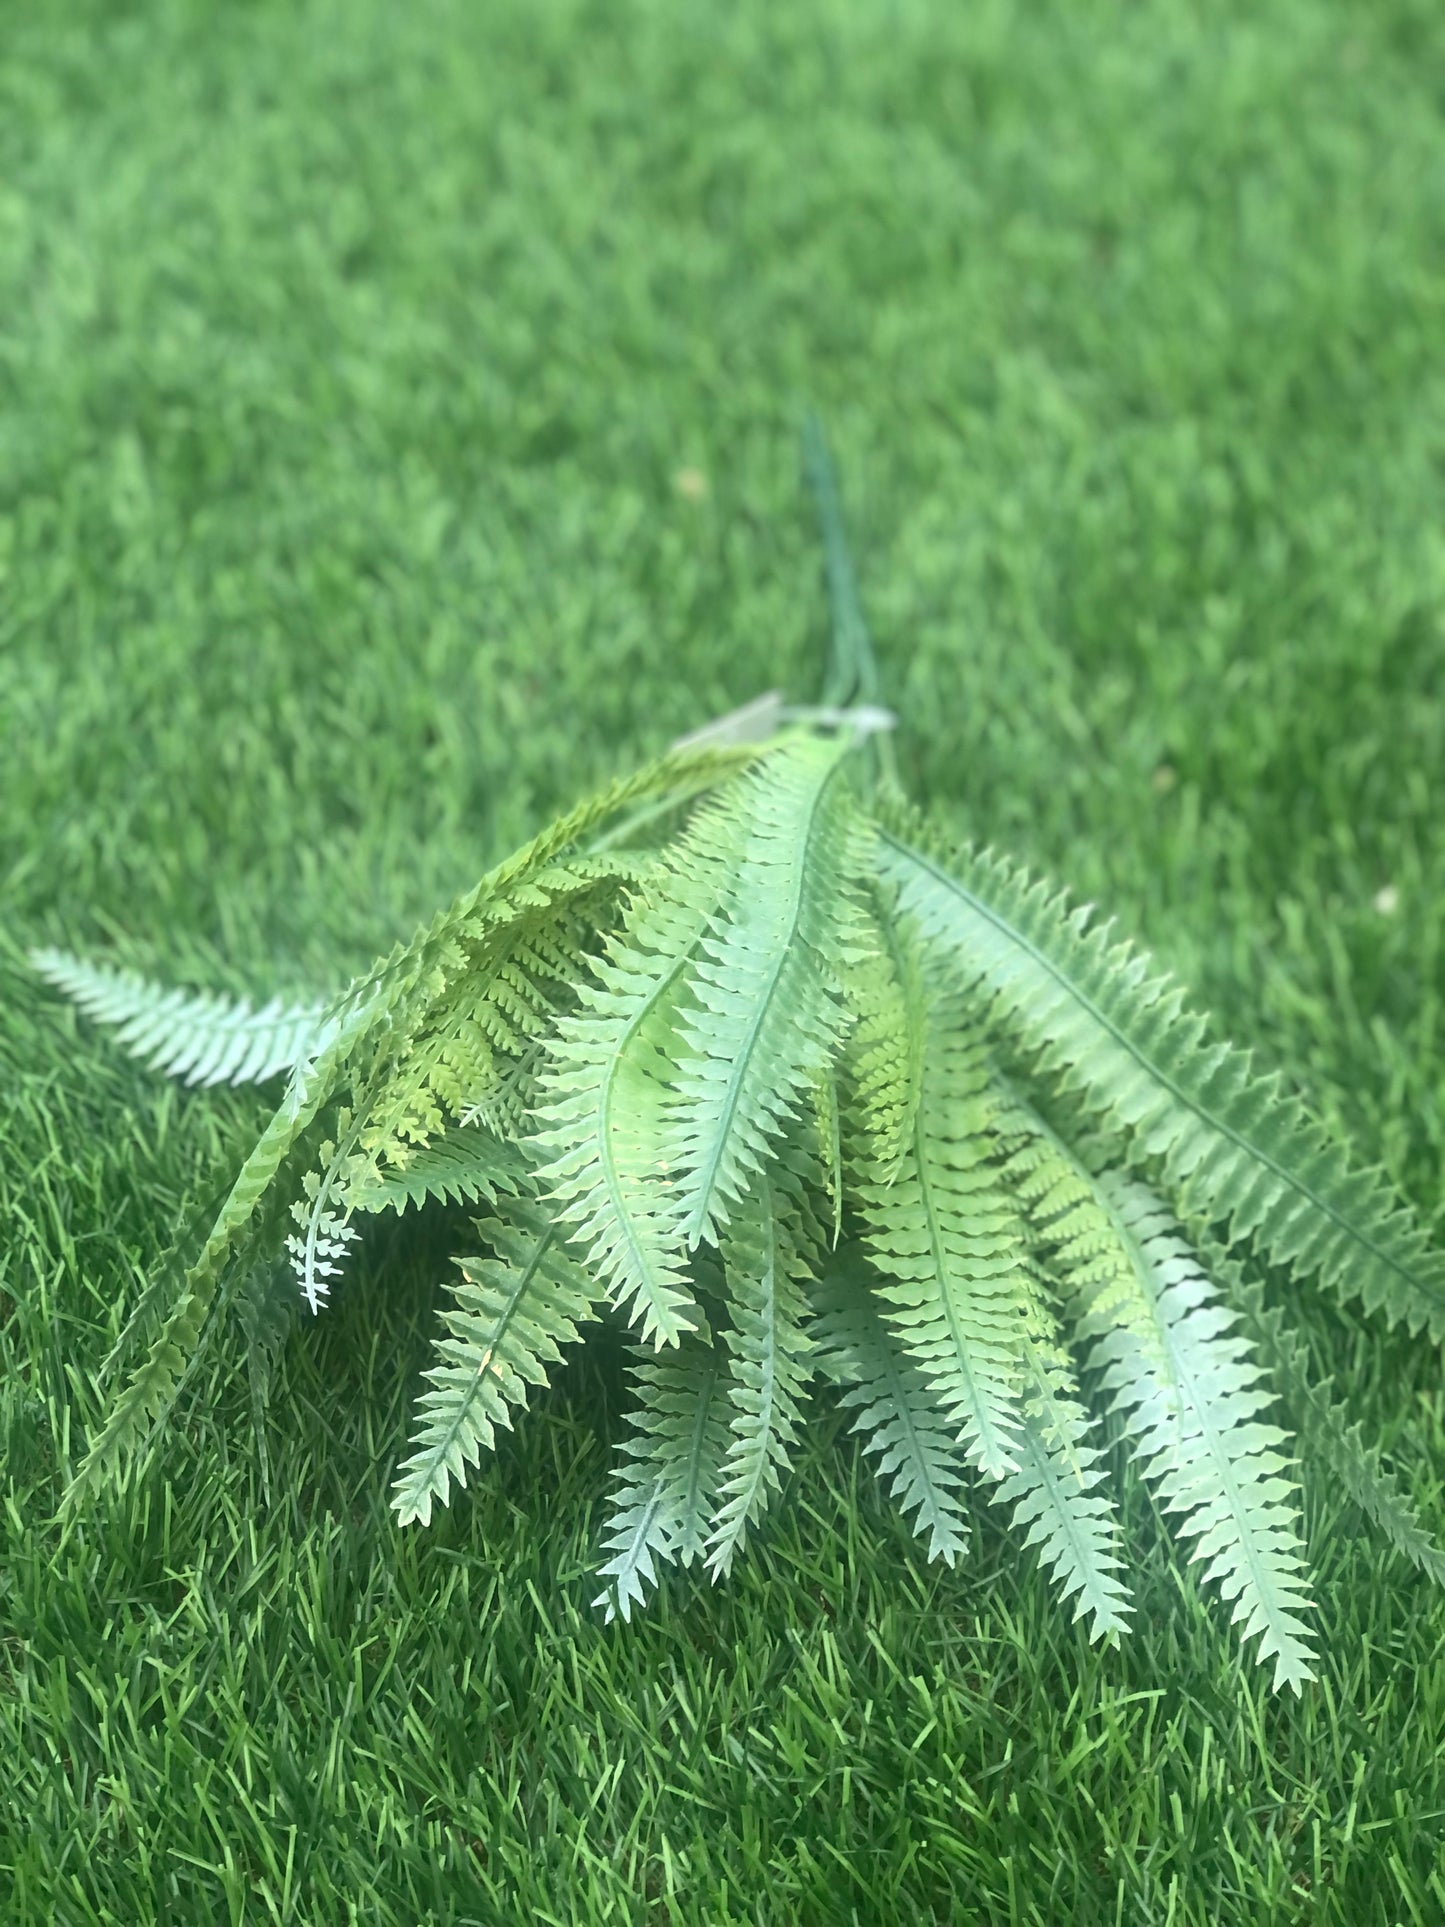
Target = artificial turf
(399,430)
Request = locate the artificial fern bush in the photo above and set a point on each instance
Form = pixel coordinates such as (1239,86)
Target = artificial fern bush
(740,1053)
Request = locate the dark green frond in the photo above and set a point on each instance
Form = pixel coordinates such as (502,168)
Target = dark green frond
(1326,1434)
(512,1313)
(1236,1145)
(467,1164)
(148,1395)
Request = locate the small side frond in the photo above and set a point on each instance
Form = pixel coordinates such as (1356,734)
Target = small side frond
(513,1311)
(1236,1145)
(946,1236)
(467,1164)
(200,1037)
(1325,1431)
(1056,1495)
(769,1368)
(668,1484)
(897,1410)
(883,988)
(1201,1437)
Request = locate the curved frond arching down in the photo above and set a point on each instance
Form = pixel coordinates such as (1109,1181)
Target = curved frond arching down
(1237,1146)
(762,1012)
(671,1472)
(1056,1496)
(603,1088)
(201,1037)
(1324,1425)
(897,1412)
(513,1312)
(770,1364)
(1202,1439)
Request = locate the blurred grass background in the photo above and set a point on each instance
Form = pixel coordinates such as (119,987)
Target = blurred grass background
(399,433)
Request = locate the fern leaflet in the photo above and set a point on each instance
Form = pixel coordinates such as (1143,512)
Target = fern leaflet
(513,1312)
(769,1348)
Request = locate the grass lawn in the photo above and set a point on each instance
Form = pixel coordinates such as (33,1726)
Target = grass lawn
(399,433)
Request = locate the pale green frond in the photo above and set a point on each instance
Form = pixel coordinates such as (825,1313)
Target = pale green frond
(1236,1145)
(668,1484)
(512,1313)
(603,1086)
(200,1037)
(1201,1437)
(1056,1495)
(945,1235)
(898,1411)
(467,1164)
(770,1365)
(1326,1434)
(763,1012)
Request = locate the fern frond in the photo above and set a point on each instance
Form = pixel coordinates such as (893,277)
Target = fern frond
(1325,1432)
(763,1013)
(602,1089)
(378,1011)
(467,1164)
(668,1485)
(1055,1494)
(200,1037)
(1070,1229)
(941,1228)
(1201,1438)
(513,1312)
(1236,1145)
(898,1411)
(150,1392)
(770,1365)
(883,988)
